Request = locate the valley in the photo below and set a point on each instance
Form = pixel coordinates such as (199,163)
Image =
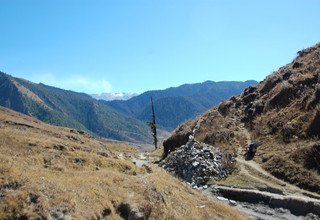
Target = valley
(55,172)
(159,110)
(176,105)
(50,172)
(117,120)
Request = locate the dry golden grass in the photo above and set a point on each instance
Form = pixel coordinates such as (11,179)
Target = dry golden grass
(48,171)
(239,180)
(156,155)
(221,131)
(283,140)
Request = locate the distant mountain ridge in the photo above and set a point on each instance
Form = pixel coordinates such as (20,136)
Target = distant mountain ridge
(119,120)
(114,96)
(71,109)
(178,104)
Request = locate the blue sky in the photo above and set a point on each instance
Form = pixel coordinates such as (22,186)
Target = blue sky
(137,45)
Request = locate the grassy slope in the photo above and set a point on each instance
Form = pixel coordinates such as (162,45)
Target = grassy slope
(282,114)
(45,169)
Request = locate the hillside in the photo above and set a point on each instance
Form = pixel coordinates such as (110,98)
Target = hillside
(178,104)
(71,109)
(49,172)
(281,113)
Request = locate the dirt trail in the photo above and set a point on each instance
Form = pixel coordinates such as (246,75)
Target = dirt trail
(141,159)
(261,195)
(266,205)
(256,172)
(269,197)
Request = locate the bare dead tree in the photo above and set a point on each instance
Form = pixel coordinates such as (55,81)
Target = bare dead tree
(153,125)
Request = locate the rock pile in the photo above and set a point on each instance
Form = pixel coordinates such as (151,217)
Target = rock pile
(196,163)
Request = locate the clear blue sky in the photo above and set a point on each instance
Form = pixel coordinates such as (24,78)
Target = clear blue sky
(137,45)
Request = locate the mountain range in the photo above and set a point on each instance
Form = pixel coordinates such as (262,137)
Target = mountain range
(66,108)
(258,151)
(178,104)
(110,96)
(119,120)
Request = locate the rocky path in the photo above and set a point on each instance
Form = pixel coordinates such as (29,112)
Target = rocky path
(291,205)
(267,198)
(251,203)
(255,171)
(276,200)
(141,159)
(271,202)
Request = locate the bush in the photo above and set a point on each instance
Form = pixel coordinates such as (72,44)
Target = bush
(284,92)
(270,83)
(315,99)
(313,130)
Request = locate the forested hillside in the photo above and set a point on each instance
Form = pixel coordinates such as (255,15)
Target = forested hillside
(178,104)
(71,109)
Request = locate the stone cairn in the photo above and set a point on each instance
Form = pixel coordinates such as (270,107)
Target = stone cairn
(196,163)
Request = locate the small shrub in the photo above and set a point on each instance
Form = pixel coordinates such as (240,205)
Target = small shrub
(287,75)
(297,65)
(287,133)
(314,127)
(224,107)
(270,83)
(283,95)
(313,158)
(315,99)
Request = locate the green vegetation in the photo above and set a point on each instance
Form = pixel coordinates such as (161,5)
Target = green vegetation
(176,105)
(120,120)
(70,109)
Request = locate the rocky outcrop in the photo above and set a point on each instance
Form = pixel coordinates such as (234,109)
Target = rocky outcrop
(196,163)
(180,138)
(297,206)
